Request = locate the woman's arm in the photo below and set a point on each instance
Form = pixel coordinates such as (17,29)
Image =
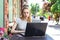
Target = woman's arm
(16,31)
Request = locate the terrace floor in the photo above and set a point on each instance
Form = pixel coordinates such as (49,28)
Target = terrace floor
(53,30)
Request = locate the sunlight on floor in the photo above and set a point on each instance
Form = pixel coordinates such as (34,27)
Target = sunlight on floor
(53,33)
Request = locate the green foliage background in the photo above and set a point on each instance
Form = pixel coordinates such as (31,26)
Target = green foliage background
(34,8)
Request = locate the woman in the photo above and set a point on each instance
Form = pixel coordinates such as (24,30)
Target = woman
(21,22)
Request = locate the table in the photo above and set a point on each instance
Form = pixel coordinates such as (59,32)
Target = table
(46,37)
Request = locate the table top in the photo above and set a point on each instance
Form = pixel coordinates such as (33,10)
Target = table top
(46,37)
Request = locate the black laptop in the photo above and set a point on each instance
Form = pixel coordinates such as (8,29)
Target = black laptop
(35,29)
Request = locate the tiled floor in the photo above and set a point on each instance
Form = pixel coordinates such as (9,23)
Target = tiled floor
(53,30)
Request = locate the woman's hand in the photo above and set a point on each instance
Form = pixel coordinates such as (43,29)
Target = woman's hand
(16,31)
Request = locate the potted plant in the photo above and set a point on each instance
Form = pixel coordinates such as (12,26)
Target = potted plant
(55,9)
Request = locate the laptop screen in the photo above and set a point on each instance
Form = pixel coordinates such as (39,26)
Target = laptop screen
(35,29)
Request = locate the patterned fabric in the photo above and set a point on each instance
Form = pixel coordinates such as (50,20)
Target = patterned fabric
(1,31)
(3,39)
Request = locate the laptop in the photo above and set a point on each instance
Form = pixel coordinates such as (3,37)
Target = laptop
(35,29)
